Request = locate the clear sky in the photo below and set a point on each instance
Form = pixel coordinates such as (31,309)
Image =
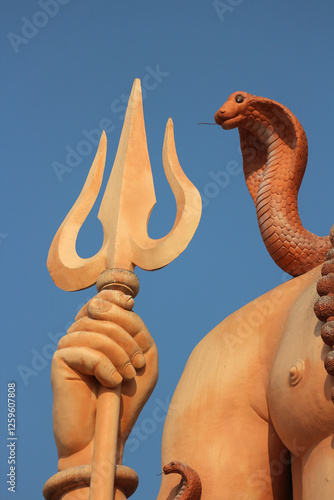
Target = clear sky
(67,70)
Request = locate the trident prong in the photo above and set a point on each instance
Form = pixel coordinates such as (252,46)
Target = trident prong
(124,213)
(125,209)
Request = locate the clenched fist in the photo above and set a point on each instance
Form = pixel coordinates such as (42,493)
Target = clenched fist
(108,344)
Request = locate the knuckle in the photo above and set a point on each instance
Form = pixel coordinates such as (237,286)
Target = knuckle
(116,297)
(61,343)
(55,355)
(57,360)
(120,296)
(98,305)
(80,324)
(109,295)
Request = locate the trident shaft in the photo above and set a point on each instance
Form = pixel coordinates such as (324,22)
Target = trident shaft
(124,213)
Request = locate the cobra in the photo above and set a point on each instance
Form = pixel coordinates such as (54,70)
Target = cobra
(274,149)
(190,487)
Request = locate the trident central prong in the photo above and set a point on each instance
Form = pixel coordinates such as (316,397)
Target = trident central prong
(125,209)
(124,213)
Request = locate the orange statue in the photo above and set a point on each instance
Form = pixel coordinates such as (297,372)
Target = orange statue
(106,367)
(252,417)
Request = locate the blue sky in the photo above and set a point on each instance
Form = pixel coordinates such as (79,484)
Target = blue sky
(67,70)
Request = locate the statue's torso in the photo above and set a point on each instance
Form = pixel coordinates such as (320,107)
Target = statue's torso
(235,404)
(300,389)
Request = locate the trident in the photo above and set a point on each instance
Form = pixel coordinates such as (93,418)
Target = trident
(124,213)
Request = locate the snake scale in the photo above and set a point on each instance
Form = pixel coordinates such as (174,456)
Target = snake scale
(190,487)
(274,150)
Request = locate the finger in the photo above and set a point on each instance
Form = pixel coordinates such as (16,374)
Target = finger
(101,309)
(90,362)
(83,312)
(117,297)
(104,345)
(115,333)
(114,297)
(74,395)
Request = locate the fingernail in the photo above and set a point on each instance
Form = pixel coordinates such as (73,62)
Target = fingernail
(116,378)
(126,297)
(99,304)
(129,371)
(139,360)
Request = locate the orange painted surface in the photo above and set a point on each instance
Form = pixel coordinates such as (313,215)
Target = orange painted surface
(274,150)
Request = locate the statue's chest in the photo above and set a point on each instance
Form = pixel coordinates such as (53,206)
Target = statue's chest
(299,392)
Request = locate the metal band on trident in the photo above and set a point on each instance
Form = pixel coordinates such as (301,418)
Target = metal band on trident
(124,213)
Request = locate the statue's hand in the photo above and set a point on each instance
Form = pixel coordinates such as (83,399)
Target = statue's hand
(108,344)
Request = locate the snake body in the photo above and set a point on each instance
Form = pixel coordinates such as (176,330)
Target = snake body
(190,487)
(274,150)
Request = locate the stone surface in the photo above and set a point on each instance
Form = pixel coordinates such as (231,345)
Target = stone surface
(253,407)
(125,209)
(102,377)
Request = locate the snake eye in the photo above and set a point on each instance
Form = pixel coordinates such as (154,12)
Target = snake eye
(239,98)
